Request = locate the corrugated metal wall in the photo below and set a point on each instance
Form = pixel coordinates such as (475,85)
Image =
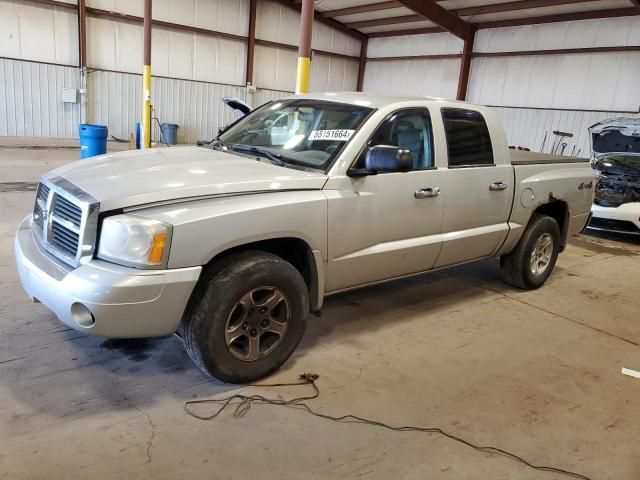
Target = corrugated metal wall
(195,106)
(31,100)
(550,92)
(38,32)
(527,127)
(193,71)
(426,44)
(274,67)
(191,56)
(263,96)
(593,81)
(436,78)
(571,82)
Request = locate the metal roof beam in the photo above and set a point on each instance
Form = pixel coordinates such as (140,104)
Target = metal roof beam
(374,7)
(386,21)
(440,16)
(412,31)
(562,17)
(511,6)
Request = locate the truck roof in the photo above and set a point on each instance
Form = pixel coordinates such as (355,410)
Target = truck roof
(373,99)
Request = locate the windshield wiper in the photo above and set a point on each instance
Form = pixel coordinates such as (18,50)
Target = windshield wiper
(216,142)
(263,152)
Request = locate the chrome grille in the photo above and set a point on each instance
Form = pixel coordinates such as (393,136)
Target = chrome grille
(41,205)
(64,239)
(63,209)
(65,220)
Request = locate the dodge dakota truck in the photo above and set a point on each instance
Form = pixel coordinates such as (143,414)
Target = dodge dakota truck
(231,247)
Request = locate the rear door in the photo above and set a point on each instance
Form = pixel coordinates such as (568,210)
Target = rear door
(478,189)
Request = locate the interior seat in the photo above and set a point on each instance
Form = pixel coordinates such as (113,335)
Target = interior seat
(410,138)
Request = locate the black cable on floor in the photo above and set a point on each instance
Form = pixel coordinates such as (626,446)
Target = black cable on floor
(245,402)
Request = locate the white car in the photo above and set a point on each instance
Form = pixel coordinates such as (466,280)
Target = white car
(616,145)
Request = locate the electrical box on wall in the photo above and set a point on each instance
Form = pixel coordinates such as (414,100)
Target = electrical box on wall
(70,95)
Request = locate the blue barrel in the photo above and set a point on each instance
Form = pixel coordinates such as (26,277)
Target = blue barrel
(93,140)
(169,133)
(138,135)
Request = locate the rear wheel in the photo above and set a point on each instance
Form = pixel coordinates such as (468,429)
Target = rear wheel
(529,264)
(246,317)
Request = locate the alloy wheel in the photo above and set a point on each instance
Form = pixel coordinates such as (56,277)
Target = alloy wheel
(257,323)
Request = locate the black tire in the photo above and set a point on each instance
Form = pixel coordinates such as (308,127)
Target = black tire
(516,268)
(217,297)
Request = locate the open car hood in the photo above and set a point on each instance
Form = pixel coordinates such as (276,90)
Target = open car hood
(616,135)
(240,109)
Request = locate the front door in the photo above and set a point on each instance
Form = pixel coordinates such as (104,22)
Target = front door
(388,225)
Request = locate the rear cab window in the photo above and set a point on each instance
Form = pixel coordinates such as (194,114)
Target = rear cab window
(468,138)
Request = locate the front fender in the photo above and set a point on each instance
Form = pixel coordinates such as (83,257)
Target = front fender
(204,228)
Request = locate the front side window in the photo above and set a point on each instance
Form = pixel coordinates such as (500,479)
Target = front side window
(409,130)
(468,139)
(306,133)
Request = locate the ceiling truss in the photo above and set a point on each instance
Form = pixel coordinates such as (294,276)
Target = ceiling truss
(459,21)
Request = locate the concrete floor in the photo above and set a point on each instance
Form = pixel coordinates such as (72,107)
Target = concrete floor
(536,373)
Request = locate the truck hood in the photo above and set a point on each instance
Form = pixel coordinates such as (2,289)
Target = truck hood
(140,177)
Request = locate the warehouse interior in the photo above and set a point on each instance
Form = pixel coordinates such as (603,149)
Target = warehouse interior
(445,375)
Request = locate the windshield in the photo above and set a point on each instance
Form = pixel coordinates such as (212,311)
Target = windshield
(307,133)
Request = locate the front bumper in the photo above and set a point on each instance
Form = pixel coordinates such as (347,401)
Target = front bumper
(123,302)
(623,219)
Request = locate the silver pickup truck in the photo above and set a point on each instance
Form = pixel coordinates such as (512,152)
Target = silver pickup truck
(234,245)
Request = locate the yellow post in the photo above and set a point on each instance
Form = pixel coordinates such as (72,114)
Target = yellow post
(304,47)
(146,78)
(146,106)
(302,75)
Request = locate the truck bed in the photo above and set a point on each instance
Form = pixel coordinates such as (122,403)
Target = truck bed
(522,157)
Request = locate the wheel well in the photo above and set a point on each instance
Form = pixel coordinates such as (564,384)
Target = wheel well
(294,250)
(559,211)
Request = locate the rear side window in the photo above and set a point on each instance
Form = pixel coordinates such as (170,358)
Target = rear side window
(468,140)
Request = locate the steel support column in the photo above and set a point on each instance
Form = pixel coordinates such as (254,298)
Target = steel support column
(82,57)
(363,63)
(465,65)
(146,78)
(304,47)
(251,42)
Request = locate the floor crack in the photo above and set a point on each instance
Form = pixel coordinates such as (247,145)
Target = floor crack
(152,436)
(599,330)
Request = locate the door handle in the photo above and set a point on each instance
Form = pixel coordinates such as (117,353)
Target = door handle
(428,192)
(495,186)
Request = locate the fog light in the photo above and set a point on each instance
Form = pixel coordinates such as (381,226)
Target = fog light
(82,315)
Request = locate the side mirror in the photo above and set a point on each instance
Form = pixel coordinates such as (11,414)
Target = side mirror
(387,158)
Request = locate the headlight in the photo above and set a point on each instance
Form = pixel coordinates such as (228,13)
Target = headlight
(134,241)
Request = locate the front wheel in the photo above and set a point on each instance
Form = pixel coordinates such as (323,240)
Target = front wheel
(529,264)
(246,317)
